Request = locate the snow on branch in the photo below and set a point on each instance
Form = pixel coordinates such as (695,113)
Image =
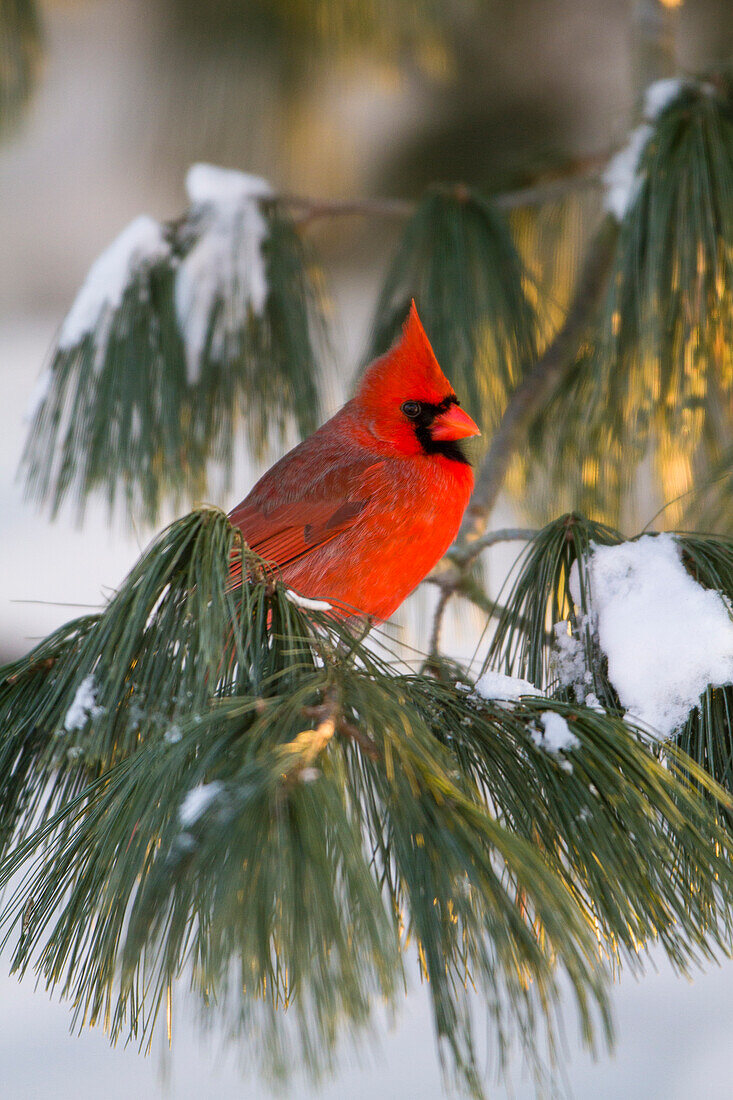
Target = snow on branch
(141,244)
(555,735)
(640,628)
(624,173)
(665,637)
(197,802)
(177,332)
(223,275)
(496,685)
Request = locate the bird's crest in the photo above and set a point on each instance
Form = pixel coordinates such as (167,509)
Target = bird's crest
(408,370)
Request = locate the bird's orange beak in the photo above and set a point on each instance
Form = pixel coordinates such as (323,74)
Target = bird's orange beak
(454,423)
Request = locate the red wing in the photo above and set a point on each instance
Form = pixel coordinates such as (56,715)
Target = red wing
(285,533)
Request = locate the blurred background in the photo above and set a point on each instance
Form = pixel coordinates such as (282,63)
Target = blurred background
(357,99)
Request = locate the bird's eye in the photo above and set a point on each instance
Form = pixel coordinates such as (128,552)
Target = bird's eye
(411,409)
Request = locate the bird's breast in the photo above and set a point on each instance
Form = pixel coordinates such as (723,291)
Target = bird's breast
(411,518)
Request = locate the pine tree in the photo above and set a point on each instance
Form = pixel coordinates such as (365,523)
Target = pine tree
(224,786)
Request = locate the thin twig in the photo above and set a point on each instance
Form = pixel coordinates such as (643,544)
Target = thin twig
(445,595)
(331,720)
(583,174)
(578,174)
(452,569)
(466,555)
(312,209)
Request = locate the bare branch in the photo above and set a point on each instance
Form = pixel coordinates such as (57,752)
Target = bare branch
(330,720)
(308,209)
(578,174)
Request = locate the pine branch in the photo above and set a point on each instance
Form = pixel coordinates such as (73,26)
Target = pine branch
(234,832)
(180,329)
(463,556)
(657,372)
(550,633)
(524,644)
(175,635)
(202,784)
(452,576)
(658,377)
(179,334)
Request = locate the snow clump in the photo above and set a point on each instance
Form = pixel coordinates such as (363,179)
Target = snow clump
(555,735)
(666,637)
(172,735)
(225,269)
(306,603)
(659,95)
(140,245)
(622,177)
(197,802)
(495,685)
(83,706)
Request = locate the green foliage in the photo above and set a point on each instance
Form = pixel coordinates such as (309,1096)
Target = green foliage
(174,636)
(458,261)
(267,370)
(249,800)
(598,811)
(20,50)
(112,417)
(670,300)
(125,414)
(659,375)
(291,883)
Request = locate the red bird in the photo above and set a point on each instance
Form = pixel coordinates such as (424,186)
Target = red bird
(360,512)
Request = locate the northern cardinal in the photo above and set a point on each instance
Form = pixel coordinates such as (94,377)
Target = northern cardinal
(358,513)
